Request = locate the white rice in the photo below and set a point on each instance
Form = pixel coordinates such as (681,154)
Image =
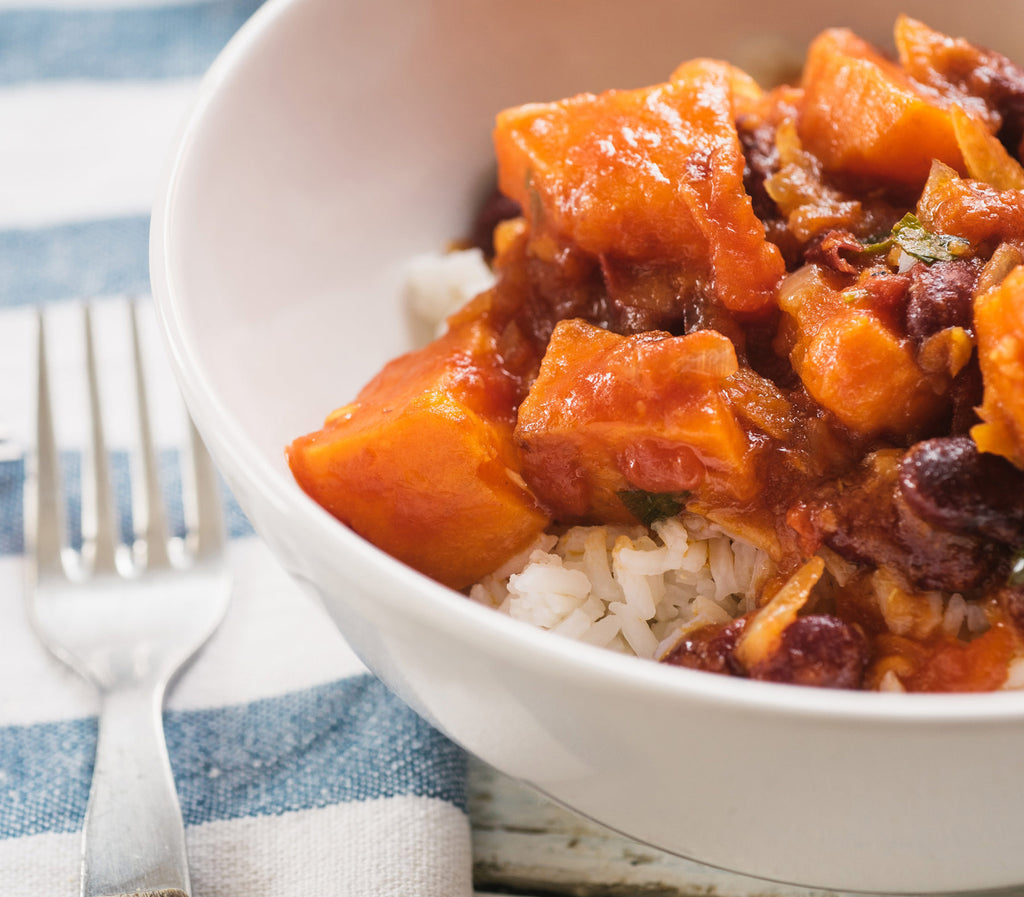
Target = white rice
(619,587)
(610,586)
(439,284)
(923,615)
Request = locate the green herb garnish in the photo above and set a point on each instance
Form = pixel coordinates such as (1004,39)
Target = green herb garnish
(649,507)
(916,240)
(1016,577)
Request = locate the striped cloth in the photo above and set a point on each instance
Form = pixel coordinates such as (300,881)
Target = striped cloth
(298,772)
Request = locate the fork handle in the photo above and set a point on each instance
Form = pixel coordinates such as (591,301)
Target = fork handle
(133,841)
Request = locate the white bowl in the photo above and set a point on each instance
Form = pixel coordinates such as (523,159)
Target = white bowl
(332,141)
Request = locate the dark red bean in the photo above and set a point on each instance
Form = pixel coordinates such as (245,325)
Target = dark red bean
(495,209)
(762,159)
(948,483)
(965,395)
(939,296)
(1001,83)
(936,558)
(866,519)
(819,650)
(710,648)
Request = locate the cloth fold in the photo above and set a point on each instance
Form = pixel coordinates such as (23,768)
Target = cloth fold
(298,772)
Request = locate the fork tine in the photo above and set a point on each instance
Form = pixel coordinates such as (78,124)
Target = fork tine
(203,509)
(44,517)
(150,515)
(98,524)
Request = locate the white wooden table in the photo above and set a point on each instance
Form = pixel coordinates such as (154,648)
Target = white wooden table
(524,844)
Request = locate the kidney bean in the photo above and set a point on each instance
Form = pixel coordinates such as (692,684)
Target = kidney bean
(965,395)
(761,159)
(939,296)
(710,648)
(937,558)
(819,650)
(496,208)
(1001,82)
(948,483)
(865,518)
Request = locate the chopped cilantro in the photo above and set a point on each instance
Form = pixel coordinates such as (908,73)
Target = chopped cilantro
(910,235)
(649,507)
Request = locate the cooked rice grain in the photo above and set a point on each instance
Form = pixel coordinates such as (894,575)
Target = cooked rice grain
(619,587)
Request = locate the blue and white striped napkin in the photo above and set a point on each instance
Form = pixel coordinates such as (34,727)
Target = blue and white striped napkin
(298,772)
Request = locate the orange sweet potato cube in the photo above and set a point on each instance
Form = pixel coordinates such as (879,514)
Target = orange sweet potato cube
(851,361)
(999,322)
(863,115)
(654,174)
(857,368)
(422,463)
(971,209)
(609,413)
(971,76)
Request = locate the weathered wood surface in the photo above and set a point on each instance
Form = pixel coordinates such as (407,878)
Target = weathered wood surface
(524,844)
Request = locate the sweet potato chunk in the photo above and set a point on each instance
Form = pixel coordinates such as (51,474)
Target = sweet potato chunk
(860,371)
(654,174)
(864,115)
(985,157)
(852,362)
(978,212)
(999,322)
(985,83)
(422,463)
(609,413)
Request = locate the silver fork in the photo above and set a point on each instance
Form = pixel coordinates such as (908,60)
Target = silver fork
(127,618)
